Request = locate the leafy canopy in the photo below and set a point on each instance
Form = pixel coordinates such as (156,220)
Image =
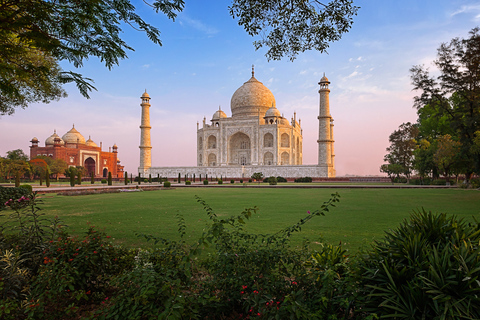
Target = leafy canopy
(453,98)
(35,35)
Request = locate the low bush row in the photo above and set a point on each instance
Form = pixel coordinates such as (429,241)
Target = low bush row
(428,268)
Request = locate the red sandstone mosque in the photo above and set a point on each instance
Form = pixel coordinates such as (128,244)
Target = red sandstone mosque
(73,148)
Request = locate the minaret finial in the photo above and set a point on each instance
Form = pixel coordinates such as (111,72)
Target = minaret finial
(253,70)
(74,125)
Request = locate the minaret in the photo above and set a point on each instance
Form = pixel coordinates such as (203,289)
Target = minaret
(325,129)
(145,144)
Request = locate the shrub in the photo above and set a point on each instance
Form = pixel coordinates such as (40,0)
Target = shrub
(145,180)
(75,269)
(272,181)
(167,184)
(125,178)
(47,179)
(220,181)
(439,182)
(27,187)
(7,193)
(305,179)
(109,179)
(250,180)
(72,178)
(475,183)
(104,181)
(241,180)
(281,179)
(258,176)
(426,268)
(205,182)
(232,181)
(188,182)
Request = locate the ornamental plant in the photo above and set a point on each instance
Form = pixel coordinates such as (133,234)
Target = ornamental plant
(188,182)
(428,268)
(72,178)
(109,178)
(92,178)
(167,184)
(47,178)
(205,182)
(125,178)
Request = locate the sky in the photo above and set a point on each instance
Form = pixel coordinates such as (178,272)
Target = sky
(205,56)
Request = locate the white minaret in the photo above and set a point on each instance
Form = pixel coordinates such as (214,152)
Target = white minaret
(325,129)
(145,144)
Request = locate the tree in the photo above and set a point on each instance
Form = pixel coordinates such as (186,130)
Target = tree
(36,35)
(47,178)
(109,178)
(455,93)
(58,166)
(39,168)
(288,27)
(17,154)
(402,146)
(423,162)
(257,176)
(446,155)
(392,170)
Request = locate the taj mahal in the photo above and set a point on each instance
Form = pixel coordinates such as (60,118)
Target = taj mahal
(256,138)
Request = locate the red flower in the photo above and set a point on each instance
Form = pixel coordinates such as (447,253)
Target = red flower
(94,251)
(70,260)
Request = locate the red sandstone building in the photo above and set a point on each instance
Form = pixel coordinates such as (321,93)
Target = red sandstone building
(73,148)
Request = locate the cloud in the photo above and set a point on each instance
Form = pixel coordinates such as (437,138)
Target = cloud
(199,25)
(467,9)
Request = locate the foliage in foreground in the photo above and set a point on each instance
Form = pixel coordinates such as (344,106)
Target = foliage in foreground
(429,266)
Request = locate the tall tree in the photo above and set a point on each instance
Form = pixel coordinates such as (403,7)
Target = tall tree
(17,154)
(402,147)
(36,35)
(455,93)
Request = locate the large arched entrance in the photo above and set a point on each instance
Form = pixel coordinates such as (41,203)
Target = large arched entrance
(239,151)
(90,165)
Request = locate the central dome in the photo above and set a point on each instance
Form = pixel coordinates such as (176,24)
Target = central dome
(73,136)
(251,99)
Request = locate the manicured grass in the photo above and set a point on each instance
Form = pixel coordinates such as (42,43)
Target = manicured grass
(361,216)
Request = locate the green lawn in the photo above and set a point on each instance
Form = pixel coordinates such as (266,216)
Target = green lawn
(361,215)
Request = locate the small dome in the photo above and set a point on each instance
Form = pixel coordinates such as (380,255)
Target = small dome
(90,142)
(145,94)
(251,99)
(34,139)
(272,112)
(51,140)
(324,79)
(219,114)
(73,136)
